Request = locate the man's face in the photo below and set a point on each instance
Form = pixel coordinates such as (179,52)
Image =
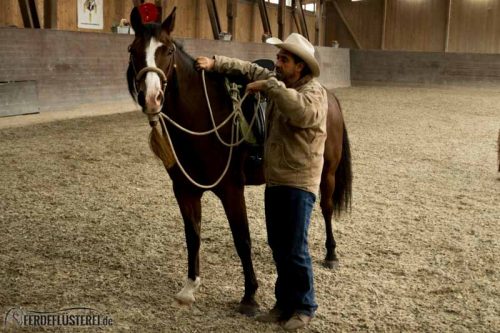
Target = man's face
(287,70)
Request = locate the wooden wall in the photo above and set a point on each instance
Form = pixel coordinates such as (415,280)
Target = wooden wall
(416,25)
(475,26)
(409,25)
(192,17)
(63,70)
(364,18)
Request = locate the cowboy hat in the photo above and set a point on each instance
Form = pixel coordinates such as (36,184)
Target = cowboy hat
(301,47)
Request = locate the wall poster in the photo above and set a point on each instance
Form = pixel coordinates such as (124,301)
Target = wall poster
(90,14)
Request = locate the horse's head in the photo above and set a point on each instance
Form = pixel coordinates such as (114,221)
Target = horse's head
(151,62)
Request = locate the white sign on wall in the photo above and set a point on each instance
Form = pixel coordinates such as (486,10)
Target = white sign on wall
(90,14)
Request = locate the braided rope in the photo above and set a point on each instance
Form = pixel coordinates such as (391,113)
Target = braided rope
(235,141)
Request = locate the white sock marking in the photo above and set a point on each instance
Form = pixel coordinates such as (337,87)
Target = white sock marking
(186,295)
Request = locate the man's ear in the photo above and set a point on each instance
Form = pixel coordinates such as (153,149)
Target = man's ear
(300,66)
(169,23)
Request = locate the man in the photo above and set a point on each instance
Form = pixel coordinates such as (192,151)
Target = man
(293,161)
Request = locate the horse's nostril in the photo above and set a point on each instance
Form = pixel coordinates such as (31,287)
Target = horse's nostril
(141,99)
(159,98)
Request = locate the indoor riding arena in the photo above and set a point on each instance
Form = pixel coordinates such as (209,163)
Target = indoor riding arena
(93,238)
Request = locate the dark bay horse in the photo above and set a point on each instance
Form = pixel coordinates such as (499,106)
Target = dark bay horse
(162,78)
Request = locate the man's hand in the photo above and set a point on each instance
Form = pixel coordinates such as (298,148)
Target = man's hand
(204,63)
(256,86)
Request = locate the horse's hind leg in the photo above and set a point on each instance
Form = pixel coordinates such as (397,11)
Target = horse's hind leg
(327,186)
(190,207)
(233,200)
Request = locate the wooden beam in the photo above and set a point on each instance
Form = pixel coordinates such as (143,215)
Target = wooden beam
(319,21)
(342,17)
(50,14)
(265,20)
(281,18)
(294,15)
(302,21)
(448,24)
(232,10)
(384,25)
(214,18)
(29,14)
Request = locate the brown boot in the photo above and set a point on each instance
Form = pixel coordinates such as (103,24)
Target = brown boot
(297,321)
(273,316)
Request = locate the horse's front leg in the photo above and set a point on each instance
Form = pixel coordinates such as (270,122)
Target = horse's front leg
(190,207)
(233,200)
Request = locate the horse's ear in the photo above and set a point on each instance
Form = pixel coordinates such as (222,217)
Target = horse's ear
(169,23)
(136,20)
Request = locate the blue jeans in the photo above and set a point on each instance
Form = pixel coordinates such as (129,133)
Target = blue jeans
(288,213)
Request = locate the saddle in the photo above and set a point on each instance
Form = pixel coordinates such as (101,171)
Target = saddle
(256,143)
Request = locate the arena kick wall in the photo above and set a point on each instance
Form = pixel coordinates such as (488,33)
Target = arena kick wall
(49,70)
(62,70)
(425,68)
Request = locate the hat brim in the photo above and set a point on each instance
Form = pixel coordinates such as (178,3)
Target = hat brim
(310,60)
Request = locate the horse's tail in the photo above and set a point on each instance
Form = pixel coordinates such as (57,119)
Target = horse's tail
(342,194)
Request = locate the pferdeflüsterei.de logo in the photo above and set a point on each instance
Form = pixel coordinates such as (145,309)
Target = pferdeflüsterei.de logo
(70,317)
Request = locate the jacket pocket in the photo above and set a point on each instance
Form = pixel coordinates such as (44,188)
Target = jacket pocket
(294,160)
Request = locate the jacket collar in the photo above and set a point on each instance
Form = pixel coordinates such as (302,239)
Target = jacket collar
(301,82)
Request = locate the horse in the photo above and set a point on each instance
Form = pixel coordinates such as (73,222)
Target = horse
(163,80)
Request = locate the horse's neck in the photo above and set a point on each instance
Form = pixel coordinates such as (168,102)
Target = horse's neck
(189,96)
(187,80)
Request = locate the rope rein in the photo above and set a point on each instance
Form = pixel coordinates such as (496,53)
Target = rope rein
(236,116)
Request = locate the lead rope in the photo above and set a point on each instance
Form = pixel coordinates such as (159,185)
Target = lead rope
(206,187)
(234,132)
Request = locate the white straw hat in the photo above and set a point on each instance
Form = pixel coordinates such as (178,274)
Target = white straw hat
(301,47)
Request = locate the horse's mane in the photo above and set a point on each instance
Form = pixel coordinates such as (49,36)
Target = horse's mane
(180,46)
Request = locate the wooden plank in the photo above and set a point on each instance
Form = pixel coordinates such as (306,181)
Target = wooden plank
(384,25)
(448,23)
(50,14)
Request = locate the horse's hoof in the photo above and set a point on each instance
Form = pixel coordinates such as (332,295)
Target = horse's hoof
(186,295)
(248,308)
(331,264)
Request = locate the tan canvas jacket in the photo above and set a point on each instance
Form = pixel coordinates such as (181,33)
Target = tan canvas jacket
(295,126)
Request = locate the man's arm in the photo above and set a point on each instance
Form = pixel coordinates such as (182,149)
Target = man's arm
(234,66)
(305,108)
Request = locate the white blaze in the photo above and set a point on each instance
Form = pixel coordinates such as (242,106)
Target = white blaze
(153,83)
